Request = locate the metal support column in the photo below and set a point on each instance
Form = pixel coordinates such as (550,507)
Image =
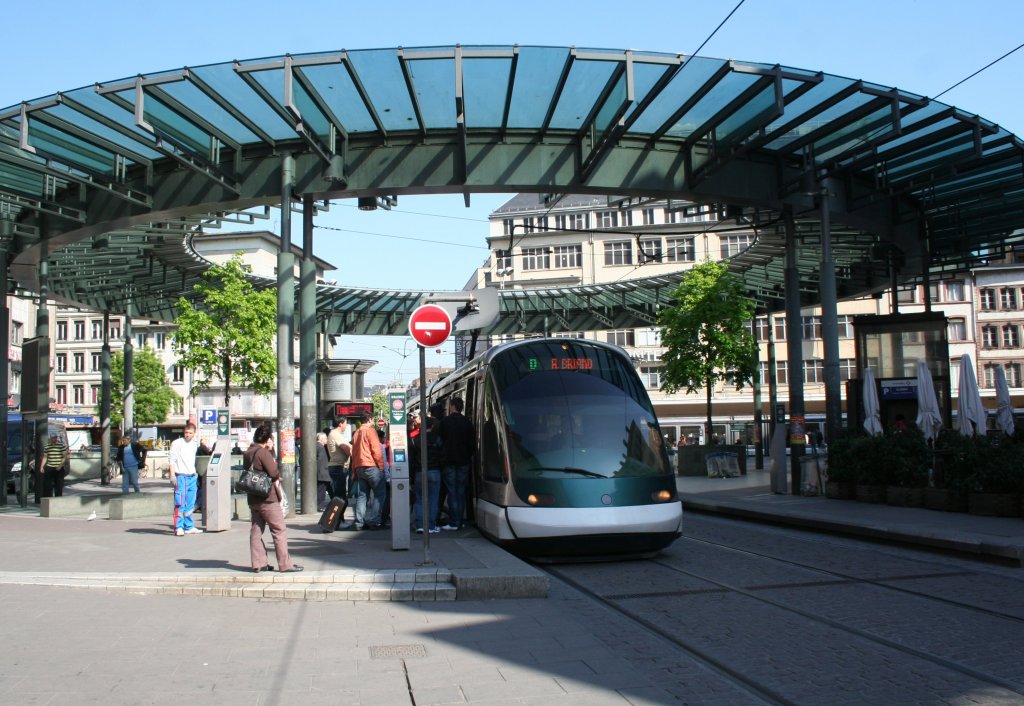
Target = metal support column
(105,399)
(794,347)
(307,358)
(6,235)
(758,441)
(285,337)
(830,327)
(42,381)
(128,422)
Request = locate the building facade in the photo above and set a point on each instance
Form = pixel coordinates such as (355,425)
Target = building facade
(582,240)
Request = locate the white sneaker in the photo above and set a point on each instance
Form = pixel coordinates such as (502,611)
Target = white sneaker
(179,532)
(419,530)
(193,530)
(449,528)
(435,530)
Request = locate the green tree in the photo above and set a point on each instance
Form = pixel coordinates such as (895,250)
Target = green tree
(380,405)
(229,334)
(153,396)
(705,333)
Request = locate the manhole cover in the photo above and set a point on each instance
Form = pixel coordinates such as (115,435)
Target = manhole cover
(397,651)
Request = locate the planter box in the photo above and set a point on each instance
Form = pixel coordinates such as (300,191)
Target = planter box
(840,490)
(994,504)
(904,497)
(871,493)
(945,500)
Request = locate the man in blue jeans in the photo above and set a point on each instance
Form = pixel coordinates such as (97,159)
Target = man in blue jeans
(459,443)
(368,471)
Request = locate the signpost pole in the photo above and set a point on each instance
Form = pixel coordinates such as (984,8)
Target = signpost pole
(423,459)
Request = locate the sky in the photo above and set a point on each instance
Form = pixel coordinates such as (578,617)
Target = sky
(435,242)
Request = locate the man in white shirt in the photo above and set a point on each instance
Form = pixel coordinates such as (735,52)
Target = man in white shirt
(182,458)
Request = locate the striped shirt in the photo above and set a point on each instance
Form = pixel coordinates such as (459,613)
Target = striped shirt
(54,455)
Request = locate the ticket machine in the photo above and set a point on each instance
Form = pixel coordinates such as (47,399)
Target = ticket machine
(217,504)
(399,490)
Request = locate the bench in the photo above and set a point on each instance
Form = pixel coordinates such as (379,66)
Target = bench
(74,505)
(135,505)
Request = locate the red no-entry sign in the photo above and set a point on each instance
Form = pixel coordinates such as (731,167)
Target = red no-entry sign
(430,325)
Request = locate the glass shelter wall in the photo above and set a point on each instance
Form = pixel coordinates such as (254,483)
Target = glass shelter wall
(891,346)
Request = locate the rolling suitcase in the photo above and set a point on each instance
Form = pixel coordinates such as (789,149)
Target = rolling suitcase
(333,513)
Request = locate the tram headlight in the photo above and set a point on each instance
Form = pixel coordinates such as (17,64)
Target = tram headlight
(540,499)
(661,496)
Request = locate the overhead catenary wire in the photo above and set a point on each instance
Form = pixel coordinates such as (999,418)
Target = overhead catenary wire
(983,68)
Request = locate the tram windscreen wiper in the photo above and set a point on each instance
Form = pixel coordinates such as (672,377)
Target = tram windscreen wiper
(569,469)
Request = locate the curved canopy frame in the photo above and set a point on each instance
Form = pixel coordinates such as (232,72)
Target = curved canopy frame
(106,180)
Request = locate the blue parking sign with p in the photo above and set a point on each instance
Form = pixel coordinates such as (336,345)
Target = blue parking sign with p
(208,415)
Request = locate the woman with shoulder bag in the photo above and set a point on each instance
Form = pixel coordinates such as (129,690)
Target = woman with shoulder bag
(266,511)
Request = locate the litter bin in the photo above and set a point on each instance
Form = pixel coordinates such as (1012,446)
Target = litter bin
(813,473)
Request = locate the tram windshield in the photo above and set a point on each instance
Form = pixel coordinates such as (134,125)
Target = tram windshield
(577,410)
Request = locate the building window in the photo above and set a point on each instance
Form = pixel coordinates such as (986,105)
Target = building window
(651,377)
(96,360)
(142,339)
(780,328)
(607,219)
(61,394)
(1008,298)
(1011,336)
(529,225)
(571,221)
(648,337)
(647,216)
(847,369)
(618,253)
(955,291)
(178,374)
(94,394)
(957,330)
(507,226)
(735,244)
(680,250)
(845,325)
(1012,371)
(542,223)
(650,250)
(933,292)
(906,295)
(814,371)
(178,406)
(79,362)
(97,330)
(62,362)
(80,330)
(989,337)
(161,341)
(761,328)
(811,327)
(988,299)
(17,333)
(503,259)
(79,395)
(670,215)
(62,330)
(627,218)
(568,256)
(15,382)
(536,259)
(782,372)
(115,330)
(622,338)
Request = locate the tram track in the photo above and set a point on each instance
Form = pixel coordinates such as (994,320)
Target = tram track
(839,577)
(598,585)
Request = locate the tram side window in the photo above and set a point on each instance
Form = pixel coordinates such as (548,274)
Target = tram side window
(492,454)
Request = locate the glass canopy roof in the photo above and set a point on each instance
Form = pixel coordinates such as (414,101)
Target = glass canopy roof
(95,178)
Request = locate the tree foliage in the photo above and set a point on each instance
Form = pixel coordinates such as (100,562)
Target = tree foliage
(380,405)
(705,333)
(228,335)
(153,396)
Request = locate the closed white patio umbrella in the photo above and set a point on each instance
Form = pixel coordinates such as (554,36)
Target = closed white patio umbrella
(872,414)
(970,412)
(929,417)
(1004,413)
